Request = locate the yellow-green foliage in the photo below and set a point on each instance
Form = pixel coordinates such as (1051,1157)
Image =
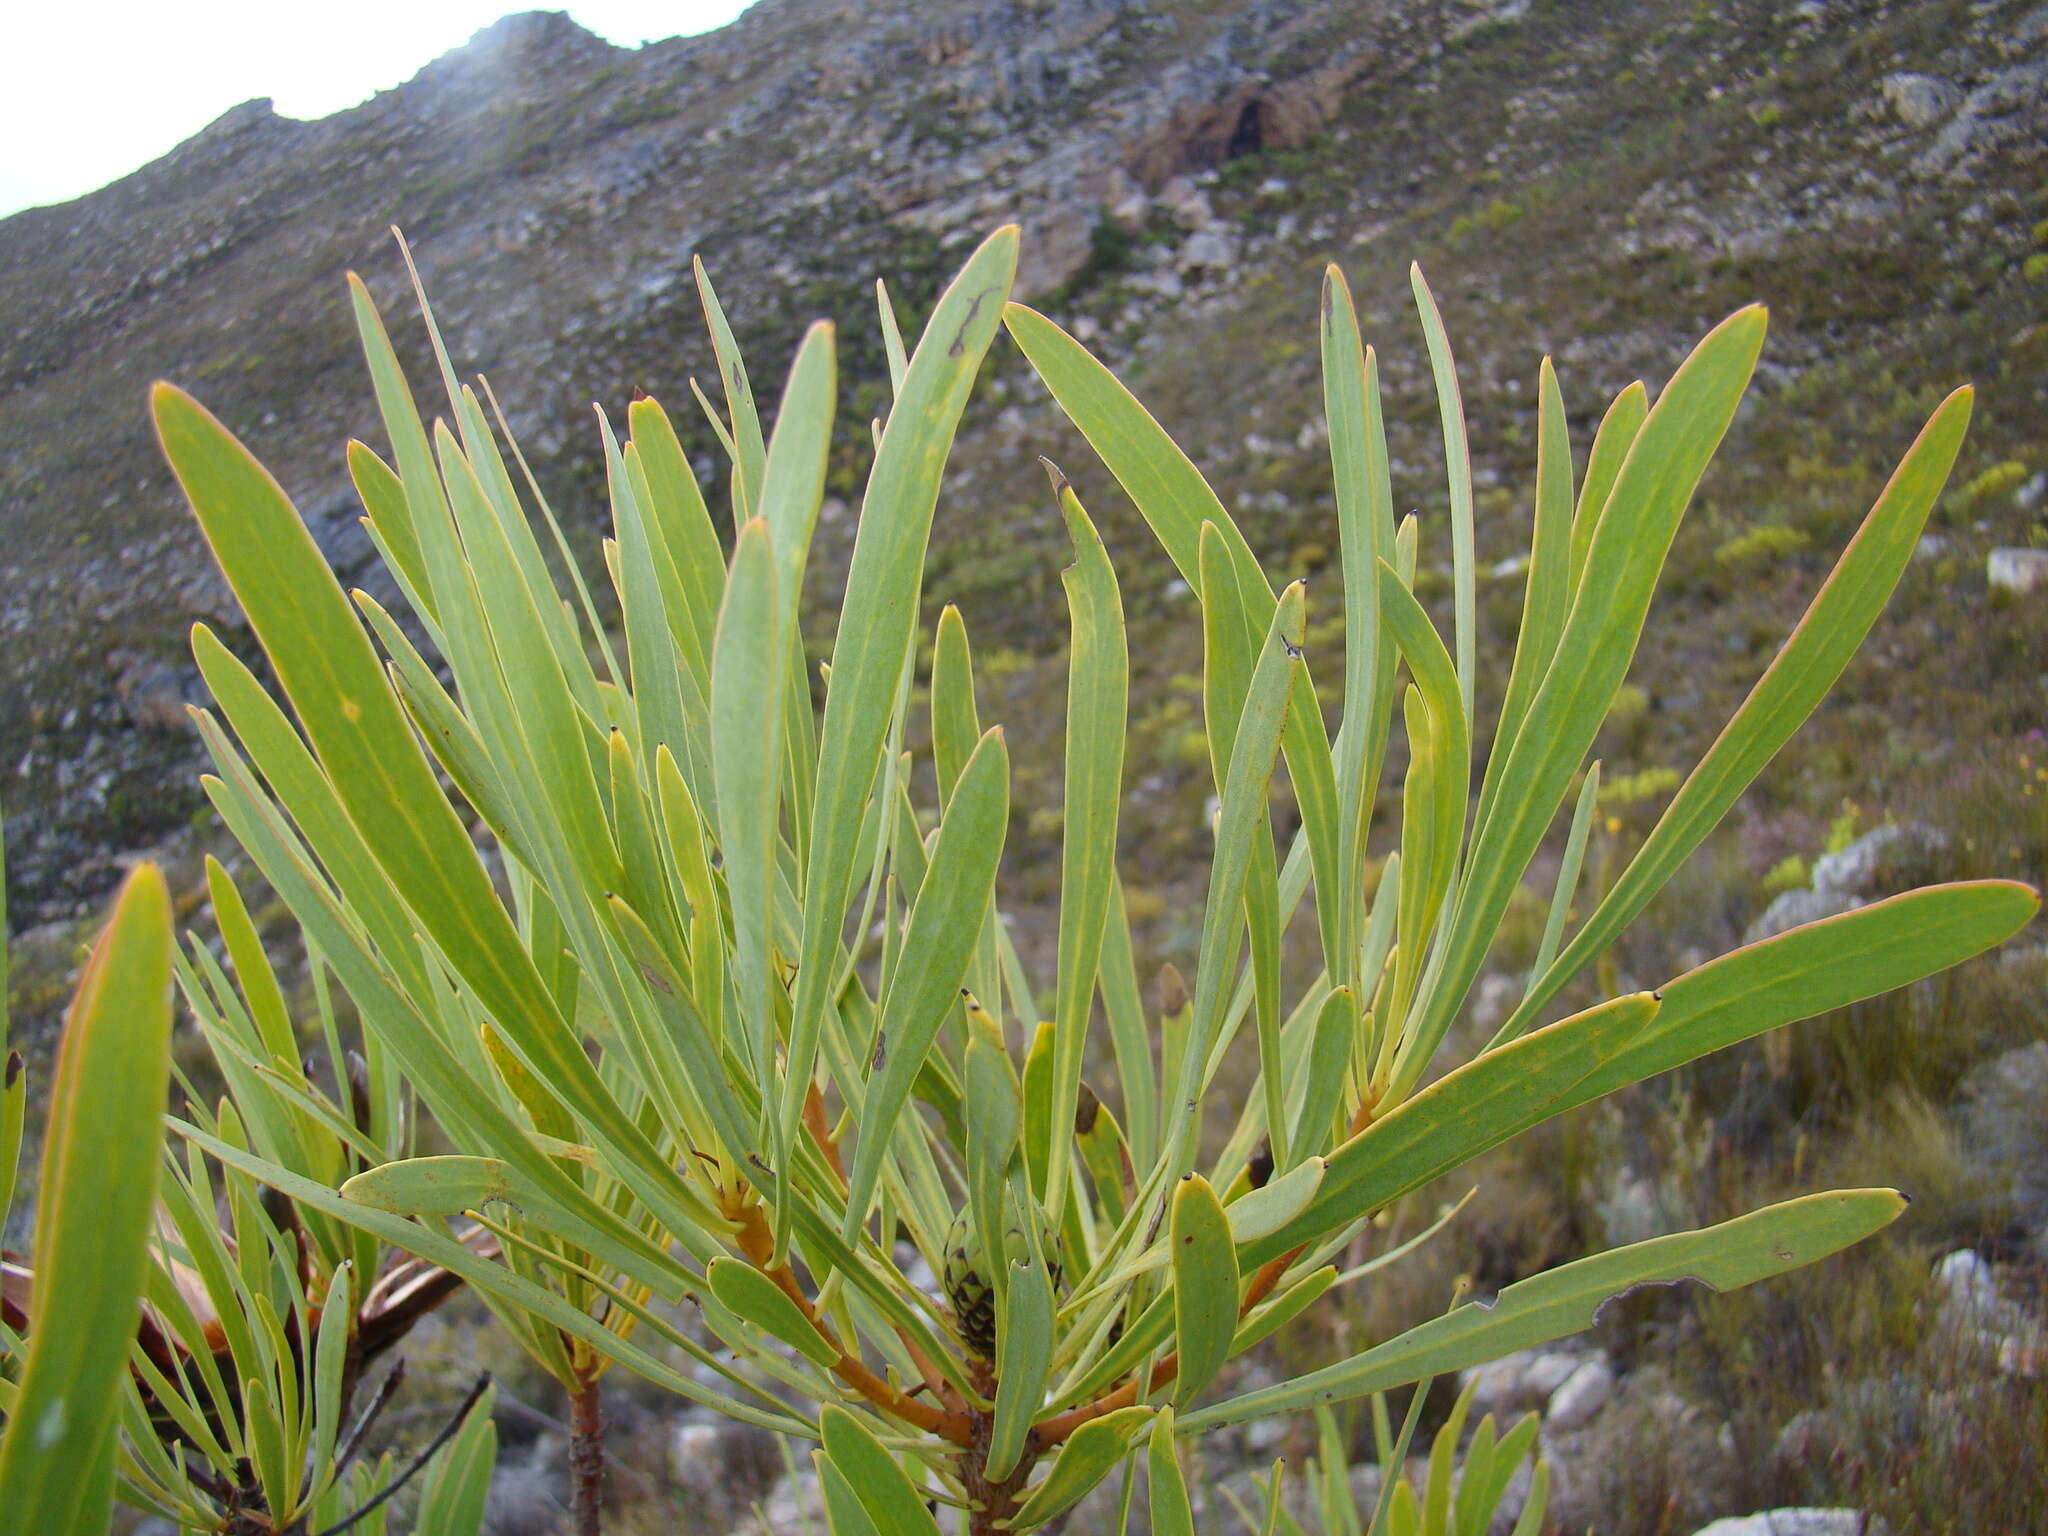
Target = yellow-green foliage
(1766,541)
(719,1020)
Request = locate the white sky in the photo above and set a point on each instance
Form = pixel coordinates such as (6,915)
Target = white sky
(91,91)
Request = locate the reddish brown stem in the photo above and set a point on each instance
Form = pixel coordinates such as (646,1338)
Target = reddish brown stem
(758,1245)
(1048,1433)
(821,1131)
(586,1456)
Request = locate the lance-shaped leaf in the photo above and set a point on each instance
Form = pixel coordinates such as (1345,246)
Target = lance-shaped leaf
(1323,1090)
(1098,686)
(1458,469)
(1548,597)
(1816,967)
(749,456)
(1176,501)
(876,620)
(432,1186)
(1084,1460)
(1244,815)
(1172,1515)
(876,1478)
(370,756)
(756,1299)
(1024,1340)
(746,677)
(945,923)
(458,1480)
(685,539)
(1265,1210)
(1567,1299)
(1460,1115)
(1361,475)
(94,1207)
(1799,677)
(956,723)
(1204,1285)
(995,1124)
(845,1514)
(1611,443)
(1629,546)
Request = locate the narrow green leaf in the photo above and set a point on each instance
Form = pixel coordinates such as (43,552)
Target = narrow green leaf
(1098,688)
(1024,1340)
(1611,443)
(1243,816)
(1546,600)
(759,1300)
(944,925)
(995,1123)
(1635,533)
(1130,1038)
(102,1154)
(685,537)
(1567,1299)
(1323,1090)
(1810,969)
(876,622)
(330,1365)
(1443,1461)
(1361,474)
(1460,1115)
(431,1186)
(892,337)
(1568,868)
(458,1479)
(1083,1461)
(1799,677)
(1172,1515)
(956,724)
(746,672)
(875,1476)
(1204,1285)
(750,457)
(1458,466)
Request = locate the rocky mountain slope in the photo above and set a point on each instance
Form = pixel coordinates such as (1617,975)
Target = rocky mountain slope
(1594,181)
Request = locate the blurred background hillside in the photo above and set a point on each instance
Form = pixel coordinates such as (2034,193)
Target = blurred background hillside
(1596,183)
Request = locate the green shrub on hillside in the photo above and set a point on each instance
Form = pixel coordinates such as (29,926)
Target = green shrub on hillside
(651,923)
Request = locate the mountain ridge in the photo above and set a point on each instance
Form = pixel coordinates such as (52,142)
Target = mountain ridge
(1180,171)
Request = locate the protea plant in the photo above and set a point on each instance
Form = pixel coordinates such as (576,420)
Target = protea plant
(709,988)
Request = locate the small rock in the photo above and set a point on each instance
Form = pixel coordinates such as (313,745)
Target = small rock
(1919,101)
(1794,909)
(1525,1379)
(2001,1103)
(1968,1280)
(1207,251)
(1881,862)
(2017,570)
(154,693)
(724,1467)
(1584,1393)
(1188,203)
(1798,1522)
